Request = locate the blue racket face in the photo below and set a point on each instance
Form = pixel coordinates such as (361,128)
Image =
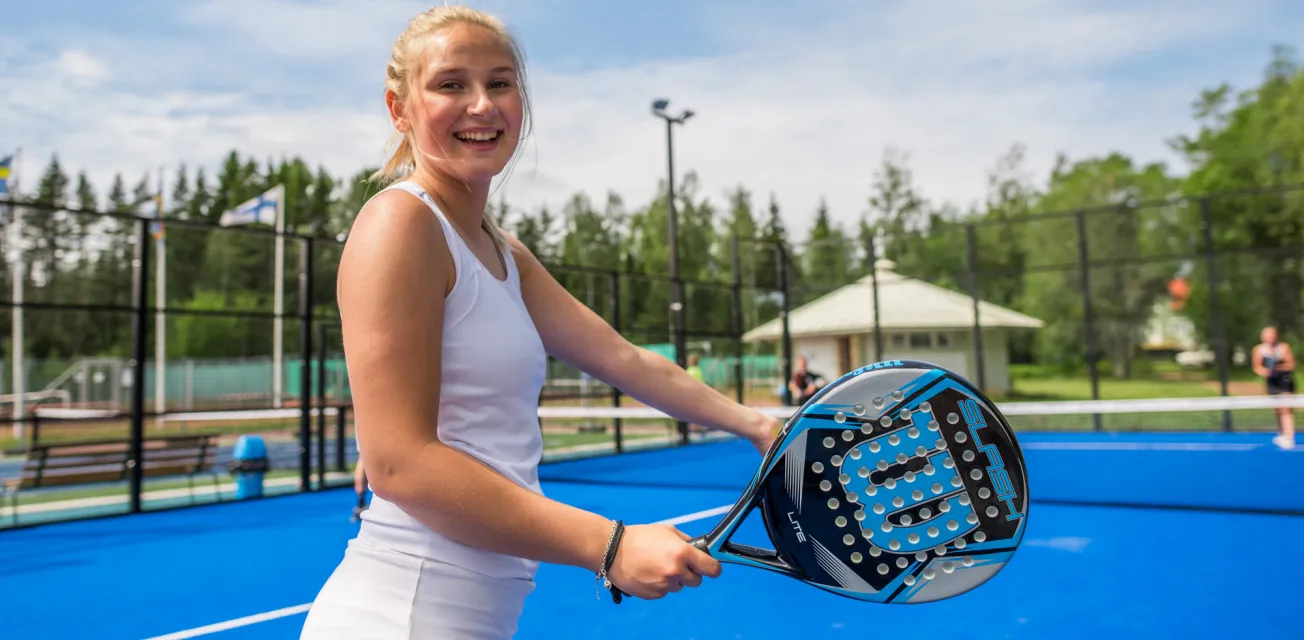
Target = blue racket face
(898,483)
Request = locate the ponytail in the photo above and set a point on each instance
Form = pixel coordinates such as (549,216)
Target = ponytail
(401,162)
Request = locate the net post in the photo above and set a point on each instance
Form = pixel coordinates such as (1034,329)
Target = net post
(321,405)
(971,239)
(614,278)
(1215,308)
(305,363)
(1087,320)
(135,465)
(786,339)
(736,316)
(871,253)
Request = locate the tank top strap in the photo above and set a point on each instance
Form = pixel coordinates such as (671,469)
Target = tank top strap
(456,246)
(462,254)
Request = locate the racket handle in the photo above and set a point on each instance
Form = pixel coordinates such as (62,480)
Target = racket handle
(700,543)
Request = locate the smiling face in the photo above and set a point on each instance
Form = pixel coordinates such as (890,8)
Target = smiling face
(465,108)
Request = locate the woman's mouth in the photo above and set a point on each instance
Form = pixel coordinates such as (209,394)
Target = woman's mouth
(483,139)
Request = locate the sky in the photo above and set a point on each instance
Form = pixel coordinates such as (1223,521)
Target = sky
(796,101)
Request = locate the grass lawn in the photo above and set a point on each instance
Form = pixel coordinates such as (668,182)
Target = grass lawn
(1080,389)
(1152,380)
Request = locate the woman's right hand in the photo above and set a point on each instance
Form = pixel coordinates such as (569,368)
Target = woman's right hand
(653,560)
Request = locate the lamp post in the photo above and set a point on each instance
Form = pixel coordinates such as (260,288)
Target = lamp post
(676,285)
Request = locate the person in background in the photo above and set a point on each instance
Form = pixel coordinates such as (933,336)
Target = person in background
(694,369)
(804,383)
(1275,363)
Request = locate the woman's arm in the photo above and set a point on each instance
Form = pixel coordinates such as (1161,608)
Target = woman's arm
(1287,358)
(573,333)
(394,275)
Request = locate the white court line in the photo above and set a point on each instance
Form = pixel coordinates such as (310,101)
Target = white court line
(302,608)
(234,624)
(1149,446)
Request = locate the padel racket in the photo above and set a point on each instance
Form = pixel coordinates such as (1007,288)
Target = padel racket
(898,483)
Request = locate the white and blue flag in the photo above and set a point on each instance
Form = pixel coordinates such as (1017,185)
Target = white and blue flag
(263,208)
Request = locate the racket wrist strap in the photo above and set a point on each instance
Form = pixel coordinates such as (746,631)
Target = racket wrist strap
(613,544)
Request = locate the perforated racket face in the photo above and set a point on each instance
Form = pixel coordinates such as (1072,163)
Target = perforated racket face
(898,484)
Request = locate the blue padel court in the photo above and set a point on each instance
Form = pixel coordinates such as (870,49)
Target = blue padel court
(1130,536)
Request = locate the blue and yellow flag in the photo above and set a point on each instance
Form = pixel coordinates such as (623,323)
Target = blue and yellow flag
(6,168)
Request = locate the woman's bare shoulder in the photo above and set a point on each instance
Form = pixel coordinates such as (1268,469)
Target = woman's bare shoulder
(397,234)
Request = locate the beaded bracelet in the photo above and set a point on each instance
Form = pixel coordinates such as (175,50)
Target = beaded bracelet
(613,543)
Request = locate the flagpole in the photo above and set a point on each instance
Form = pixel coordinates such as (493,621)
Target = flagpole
(279,304)
(252,212)
(160,303)
(16,338)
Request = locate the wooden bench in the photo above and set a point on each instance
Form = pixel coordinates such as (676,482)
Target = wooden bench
(60,464)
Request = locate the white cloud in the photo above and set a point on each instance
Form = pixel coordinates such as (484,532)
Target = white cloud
(288,28)
(804,108)
(810,116)
(81,67)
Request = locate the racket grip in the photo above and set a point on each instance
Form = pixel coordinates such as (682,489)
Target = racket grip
(700,543)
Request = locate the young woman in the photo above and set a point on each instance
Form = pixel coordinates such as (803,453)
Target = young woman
(1275,363)
(447,325)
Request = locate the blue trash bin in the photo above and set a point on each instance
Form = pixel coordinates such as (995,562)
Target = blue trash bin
(249,465)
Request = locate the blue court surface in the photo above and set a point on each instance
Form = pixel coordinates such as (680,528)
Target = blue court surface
(1103,557)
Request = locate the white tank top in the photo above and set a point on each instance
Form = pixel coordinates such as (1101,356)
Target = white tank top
(493,371)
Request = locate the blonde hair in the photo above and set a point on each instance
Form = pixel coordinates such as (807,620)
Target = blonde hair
(401,76)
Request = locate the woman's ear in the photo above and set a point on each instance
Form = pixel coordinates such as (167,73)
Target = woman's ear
(396,116)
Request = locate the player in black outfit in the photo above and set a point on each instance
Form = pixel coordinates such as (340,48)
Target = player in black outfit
(1274,361)
(804,383)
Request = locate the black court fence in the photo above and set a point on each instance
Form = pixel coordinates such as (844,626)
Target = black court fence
(134,363)
(141,361)
(1139,299)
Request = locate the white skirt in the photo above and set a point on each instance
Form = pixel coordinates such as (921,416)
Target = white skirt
(376,594)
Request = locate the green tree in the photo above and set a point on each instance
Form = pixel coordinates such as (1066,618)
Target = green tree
(1246,142)
(1123,290)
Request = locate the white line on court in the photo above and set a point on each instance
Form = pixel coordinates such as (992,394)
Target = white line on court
(302,608)
(234,624)
(1149,446)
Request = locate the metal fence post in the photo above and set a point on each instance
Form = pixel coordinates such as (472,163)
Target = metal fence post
(1088,323)
(736,317)
(678,307)
(1219,333)
(135,462)
(617,425)
(786,340)
(980,370)
(321,405)
(872,255)
(305,363)
(341,420)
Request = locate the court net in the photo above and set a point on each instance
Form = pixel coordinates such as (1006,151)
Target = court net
(1217,413)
